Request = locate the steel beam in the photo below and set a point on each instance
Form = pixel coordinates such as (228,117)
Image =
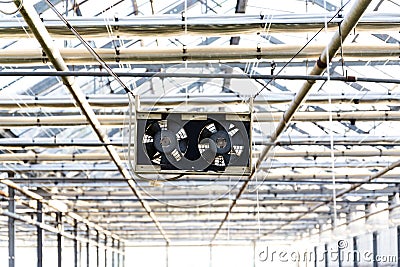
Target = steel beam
(46,41)
(347,25)
(11,228)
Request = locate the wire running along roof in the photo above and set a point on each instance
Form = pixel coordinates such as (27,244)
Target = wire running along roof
(50,146)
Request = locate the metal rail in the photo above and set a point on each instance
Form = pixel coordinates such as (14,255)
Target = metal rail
(112,121)
(311,77)
(78,56)
(217,25)
(121,101)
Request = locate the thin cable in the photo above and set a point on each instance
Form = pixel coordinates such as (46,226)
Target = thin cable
(89,48)
(331,131)
(229,205)
(258,211)
(298,52)
(265,31)
(185,16)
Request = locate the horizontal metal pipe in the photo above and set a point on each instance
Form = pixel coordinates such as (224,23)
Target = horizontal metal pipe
(270,179)
(200,75)
(359,140)
(121,120)
(108,167)
(217,25)
(79,56)
(37,157)
(121,101)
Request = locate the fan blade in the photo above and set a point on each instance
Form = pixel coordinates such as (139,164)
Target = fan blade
(163,124)
(219,161)
(237,150)
(181,134)
(212,128)
(157,158)
(153,128)
(147,139)
(207,131)
(177,156)
(232,130)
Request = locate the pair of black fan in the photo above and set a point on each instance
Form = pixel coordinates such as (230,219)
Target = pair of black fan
(199,145)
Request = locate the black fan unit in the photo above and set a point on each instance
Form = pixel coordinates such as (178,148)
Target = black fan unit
(165,143)
(183,143)
(222,144)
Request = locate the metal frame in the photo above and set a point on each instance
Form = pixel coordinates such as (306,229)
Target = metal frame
(71,149)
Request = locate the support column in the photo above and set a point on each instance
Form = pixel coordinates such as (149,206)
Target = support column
(123,255)
(375,248)
(97,248)
(112,252)
(119,253)
(398,246)
(75,243)
(210,256)
(59,238)
(105,251)
(355,249)
(80,253)
(39,243)
(254,253)
(11,228)
(166,255)
(315,256)
(87,246)
(326,255)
